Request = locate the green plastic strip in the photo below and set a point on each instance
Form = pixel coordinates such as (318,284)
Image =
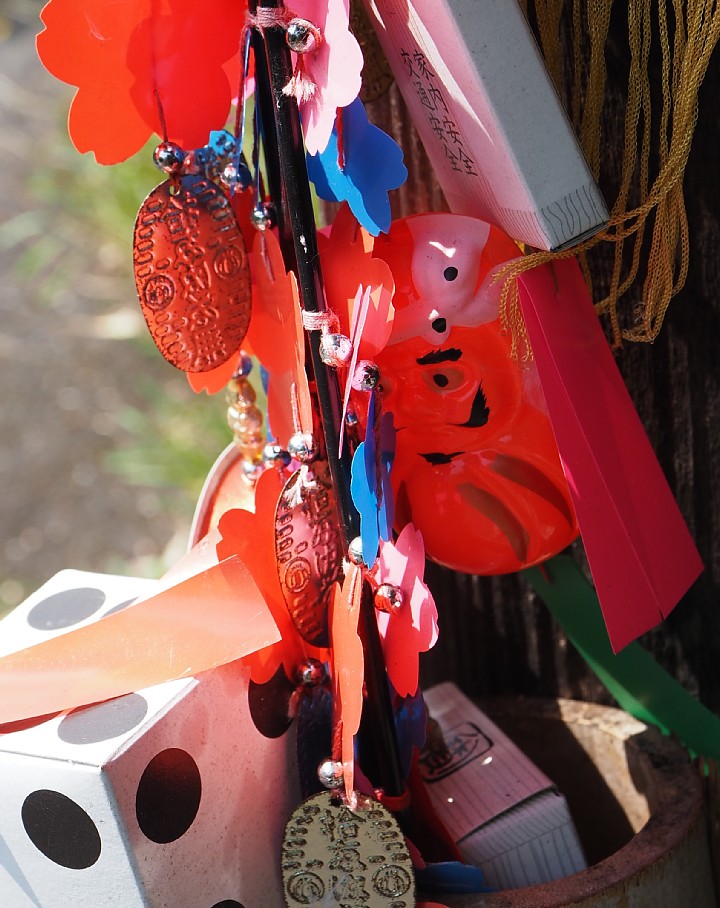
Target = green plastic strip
(641,686)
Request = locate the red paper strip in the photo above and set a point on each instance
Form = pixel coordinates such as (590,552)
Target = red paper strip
(210,619)
(640,551)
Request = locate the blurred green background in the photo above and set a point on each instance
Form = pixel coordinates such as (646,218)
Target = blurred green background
(103,445)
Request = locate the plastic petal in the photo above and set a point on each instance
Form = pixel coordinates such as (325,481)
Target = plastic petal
(372,166)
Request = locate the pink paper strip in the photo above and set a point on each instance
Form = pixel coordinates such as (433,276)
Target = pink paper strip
(640,551)
(212,618)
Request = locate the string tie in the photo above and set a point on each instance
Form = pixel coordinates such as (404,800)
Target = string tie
(302,36)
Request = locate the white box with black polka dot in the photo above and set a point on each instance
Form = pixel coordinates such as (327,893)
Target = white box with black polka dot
(168,797)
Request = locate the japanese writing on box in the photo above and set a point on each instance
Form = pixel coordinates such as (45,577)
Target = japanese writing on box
(429,91)
(461,745)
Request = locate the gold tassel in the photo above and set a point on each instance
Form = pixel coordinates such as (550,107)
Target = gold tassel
(657,220)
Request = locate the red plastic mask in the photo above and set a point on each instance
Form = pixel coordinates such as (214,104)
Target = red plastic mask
(476,468)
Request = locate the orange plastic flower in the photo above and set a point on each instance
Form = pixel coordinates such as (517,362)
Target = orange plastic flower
(125,57)
(276,337)
(348,669)
(251,537)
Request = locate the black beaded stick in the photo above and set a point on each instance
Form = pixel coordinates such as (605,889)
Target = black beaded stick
(377,738)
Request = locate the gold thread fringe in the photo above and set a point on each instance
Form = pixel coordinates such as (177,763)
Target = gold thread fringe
(655,231)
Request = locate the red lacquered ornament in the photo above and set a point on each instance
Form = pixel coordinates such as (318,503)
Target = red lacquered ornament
(476,468)
(192,274)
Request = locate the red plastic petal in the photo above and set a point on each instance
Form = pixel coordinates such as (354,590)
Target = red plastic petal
(123,56)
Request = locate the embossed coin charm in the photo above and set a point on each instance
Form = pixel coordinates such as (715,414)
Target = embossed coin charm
(191,273)
(332,855)
(308,549)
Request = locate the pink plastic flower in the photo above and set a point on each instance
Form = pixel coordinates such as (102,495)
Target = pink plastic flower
(334,68)
(413,628)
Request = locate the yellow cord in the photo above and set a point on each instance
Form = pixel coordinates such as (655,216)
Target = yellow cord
(648,223)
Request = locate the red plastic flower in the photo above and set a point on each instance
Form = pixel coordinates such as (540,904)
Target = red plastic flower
(276,337)
(251,537)
(126,56)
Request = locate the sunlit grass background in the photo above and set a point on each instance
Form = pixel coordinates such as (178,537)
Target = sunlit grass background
(174,438)
(70,237)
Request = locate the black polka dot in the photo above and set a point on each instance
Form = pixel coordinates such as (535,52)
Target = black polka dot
(228,903)
(61,830)
(65,608)
(441,380)
(168,796)
(269,705)
(439,325)
(450,273)
(91,724)
(120,607)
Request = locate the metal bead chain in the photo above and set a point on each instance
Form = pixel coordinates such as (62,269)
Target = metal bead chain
(245,419)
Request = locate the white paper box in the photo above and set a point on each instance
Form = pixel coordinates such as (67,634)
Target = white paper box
(165,798)
(505,815)
(488,115)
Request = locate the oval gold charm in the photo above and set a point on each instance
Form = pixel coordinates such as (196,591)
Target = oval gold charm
(332,855)
(308,549)
(192,274)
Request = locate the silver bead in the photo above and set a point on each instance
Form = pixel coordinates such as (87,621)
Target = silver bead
(330,774)
(351,419)
(169,158)
(251,470)
(262,216)
(389,598)
(301,36)
(355,552)
(236,176)
(275,455)
(302,447)
(335,349)
(311,673)
(366,377)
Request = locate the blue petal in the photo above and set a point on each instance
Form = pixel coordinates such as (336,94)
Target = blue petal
(365,500)
(386,517)
(450,877)
(372,167)
(370,447)
(222,142)
(411,726)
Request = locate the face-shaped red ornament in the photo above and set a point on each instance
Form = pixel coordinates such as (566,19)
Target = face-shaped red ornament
(476,467)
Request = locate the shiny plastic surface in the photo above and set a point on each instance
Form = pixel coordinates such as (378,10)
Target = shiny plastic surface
(138,63)
(476,468)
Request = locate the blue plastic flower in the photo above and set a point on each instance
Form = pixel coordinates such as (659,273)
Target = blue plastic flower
(375,505)
(372,166)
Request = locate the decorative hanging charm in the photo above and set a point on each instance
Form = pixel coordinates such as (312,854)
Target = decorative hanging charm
(308,550)
(333,855)
(191,273)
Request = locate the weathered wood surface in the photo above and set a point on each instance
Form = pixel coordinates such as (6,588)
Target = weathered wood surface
(496,636)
